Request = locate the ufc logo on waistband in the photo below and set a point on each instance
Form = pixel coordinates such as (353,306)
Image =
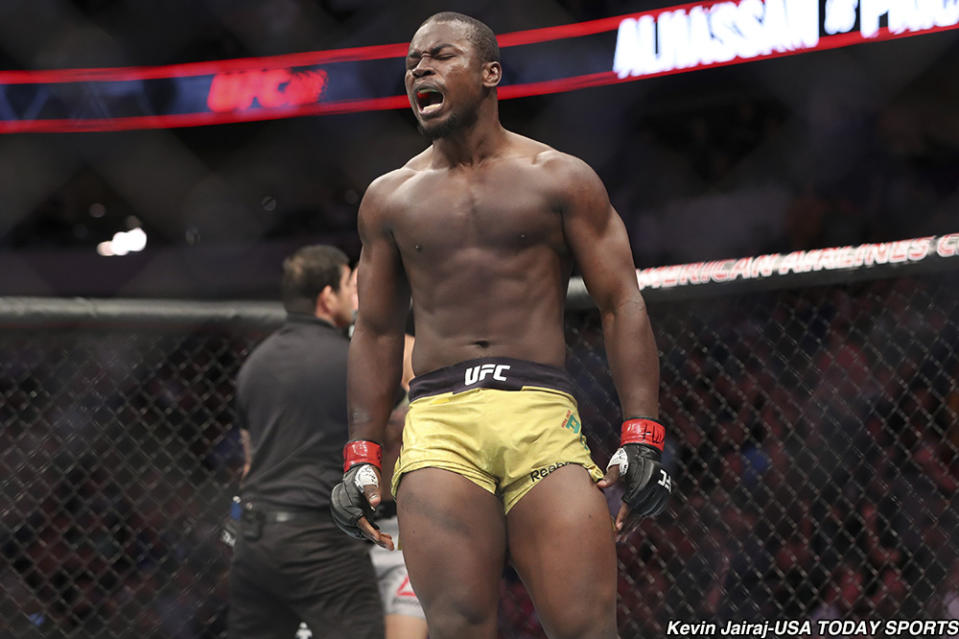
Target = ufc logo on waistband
(478,373)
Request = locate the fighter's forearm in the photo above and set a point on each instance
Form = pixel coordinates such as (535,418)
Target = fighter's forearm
(375,369)
(633,358)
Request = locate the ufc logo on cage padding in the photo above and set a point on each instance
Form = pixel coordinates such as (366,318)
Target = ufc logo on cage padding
(479,373)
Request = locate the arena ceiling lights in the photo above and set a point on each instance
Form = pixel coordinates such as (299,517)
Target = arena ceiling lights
(624,48)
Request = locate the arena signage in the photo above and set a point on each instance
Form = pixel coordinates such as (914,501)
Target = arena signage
(778,264)
(539,61)
(238,90)
(711,33)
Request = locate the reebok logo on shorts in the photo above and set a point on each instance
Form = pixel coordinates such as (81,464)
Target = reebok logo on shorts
(539,473)
(479,373)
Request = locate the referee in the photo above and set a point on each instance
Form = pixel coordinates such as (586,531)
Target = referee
(290,563)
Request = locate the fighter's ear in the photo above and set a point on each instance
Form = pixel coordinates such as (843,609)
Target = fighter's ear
(492,74)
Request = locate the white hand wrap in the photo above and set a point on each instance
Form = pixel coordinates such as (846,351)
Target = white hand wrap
(619,459)
(365,476)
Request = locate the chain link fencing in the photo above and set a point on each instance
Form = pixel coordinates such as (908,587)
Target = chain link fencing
(812,437)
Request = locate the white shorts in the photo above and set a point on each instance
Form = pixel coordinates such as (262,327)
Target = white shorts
(395,590)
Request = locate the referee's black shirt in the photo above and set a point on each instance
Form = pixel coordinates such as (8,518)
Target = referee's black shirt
(291,397)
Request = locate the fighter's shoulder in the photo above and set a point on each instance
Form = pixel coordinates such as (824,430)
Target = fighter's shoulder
(381,196)
(566,179)
(567,168)
(383,187)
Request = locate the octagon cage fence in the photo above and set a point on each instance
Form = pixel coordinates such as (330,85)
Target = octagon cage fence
(812,437)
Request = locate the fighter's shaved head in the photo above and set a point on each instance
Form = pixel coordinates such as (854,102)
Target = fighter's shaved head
(480,35)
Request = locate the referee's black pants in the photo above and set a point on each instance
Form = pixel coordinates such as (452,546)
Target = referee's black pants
(303,572)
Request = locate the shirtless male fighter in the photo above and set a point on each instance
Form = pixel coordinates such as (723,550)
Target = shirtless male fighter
(482,229)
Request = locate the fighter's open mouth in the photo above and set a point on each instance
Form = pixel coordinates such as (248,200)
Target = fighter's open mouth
(429,100)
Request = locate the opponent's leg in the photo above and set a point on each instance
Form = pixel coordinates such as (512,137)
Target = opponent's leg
(562,544)
(454,539)
(405,627)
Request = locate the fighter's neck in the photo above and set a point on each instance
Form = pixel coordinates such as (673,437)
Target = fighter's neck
(470,145)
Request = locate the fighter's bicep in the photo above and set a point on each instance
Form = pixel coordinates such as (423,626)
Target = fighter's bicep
(598,240)
(382,288)
(381,281)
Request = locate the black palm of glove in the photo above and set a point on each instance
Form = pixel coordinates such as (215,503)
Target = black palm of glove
(648,484)
(348,504)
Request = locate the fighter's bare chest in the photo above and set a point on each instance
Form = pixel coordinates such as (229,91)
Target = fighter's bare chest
(501,210)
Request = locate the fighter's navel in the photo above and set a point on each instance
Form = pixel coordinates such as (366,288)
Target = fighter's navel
(482,343)
(418,247)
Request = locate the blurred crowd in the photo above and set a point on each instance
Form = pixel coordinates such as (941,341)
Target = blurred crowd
(815,447)
(812,439)
(118,459)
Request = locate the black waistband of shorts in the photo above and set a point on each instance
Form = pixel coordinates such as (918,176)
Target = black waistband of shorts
(501,373)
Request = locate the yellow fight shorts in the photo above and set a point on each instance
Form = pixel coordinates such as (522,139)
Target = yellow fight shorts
(502,423)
